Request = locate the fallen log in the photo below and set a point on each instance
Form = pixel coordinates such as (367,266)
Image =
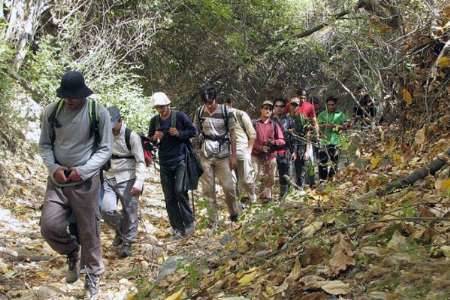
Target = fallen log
(430,169)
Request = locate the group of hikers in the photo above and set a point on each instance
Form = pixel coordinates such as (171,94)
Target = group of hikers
(91,154)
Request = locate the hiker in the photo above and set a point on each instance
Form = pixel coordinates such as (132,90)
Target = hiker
(123,181)
(332,122)
(75,142)
(171,130)
(217,151)
(245,138)
(269,140)
(283,156)
(305,123)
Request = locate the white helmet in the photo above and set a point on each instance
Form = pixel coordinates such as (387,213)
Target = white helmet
(159,98)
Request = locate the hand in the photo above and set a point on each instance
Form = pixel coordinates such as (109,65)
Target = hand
(59,175)
(294,156)
(265,149)
(173,131)
(157,136)
(74,175)
(233,162)
(135,191)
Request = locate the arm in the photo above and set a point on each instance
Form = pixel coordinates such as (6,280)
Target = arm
(45,144)
(104,148)
(187,130)
(151,128)
(279,141)
(138,153)
(250,130)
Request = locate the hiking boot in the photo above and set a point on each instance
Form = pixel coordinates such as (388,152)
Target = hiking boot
(125,250)
(189,230)
(73,263)
(117,240)
(92,286)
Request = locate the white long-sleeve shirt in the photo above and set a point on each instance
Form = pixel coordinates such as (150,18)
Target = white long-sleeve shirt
(124,169)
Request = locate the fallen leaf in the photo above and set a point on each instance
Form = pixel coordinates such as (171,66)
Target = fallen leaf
(247,278)
(336,287)
(444,62)
(312,281)
(443,185)
(312,228)
(420,138)
(397,241)
(177,295)
(342,256)
(407,97)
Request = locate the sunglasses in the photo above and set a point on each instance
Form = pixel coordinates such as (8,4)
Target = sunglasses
(279,105)
(294,104)
(159,106)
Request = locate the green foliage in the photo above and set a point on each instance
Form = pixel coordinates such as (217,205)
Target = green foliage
(44,68)
(6,82)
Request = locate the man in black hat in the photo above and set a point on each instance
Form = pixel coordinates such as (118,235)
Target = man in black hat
(124,180)
(75,143)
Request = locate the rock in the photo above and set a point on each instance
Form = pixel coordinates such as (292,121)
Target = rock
(169,267)
(46,292)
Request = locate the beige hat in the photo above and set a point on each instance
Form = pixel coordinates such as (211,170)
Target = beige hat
(160,99)
(295,100)
(267,102)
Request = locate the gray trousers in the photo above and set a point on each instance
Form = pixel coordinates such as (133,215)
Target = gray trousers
(125,223)
(81,201)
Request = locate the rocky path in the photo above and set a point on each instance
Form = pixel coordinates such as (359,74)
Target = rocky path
(30,269)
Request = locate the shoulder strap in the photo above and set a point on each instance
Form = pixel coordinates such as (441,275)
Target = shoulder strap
(93,119)
(200,118)
(238,116)
(225,117)
(173,119)
(53,121)
(127,138)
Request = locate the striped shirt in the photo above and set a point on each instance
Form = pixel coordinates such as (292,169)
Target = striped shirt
(216,142)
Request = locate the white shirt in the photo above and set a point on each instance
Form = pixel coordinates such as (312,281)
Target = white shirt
(124,169)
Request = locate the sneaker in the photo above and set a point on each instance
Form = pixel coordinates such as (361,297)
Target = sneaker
(189,230)
(176,235)
(92,286)
(117,240)
(125,250)
(73,263)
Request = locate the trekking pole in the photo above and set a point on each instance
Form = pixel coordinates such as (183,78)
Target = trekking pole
(193,203)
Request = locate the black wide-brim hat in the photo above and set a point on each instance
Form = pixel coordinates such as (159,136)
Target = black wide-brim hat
(73,86)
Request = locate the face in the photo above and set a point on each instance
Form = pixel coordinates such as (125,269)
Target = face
(278,108)
(116,127)
(74,103)
(210,105)
(331,106)
(302,98)
(163,110)
(266,111)
(292,107)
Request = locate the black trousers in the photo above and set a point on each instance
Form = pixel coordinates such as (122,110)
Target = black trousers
(283,169)
(328,161)
(177,200)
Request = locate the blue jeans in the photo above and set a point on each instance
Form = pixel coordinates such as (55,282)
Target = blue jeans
(177,200)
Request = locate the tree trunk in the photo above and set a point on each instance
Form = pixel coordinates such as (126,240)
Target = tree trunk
(23,21)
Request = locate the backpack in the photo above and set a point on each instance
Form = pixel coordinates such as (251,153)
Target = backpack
(220,138)
(147,147)
(238,117)
(93,119)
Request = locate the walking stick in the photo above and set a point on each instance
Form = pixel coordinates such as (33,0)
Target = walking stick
(193,203)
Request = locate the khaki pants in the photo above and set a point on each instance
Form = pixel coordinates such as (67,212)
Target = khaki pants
(265,169)
(246,177)
(218,168)
(82,202)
